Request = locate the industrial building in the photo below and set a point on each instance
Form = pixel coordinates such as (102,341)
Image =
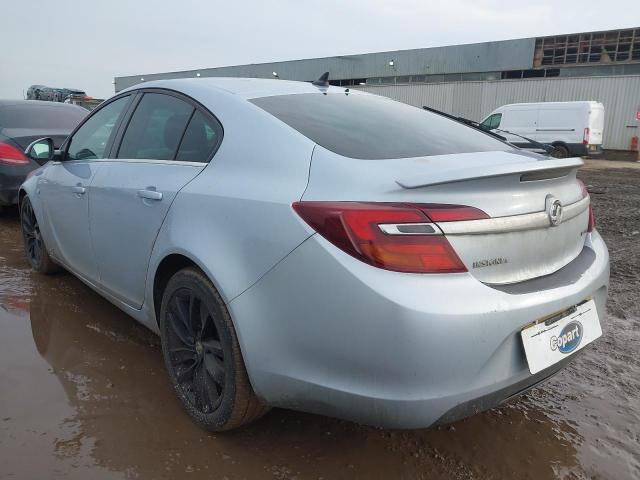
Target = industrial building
(472,80)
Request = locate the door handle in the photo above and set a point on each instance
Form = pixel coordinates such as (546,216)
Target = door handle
(150,194)
(78,190)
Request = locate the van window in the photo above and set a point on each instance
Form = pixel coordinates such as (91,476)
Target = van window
(493,121)
(372,127)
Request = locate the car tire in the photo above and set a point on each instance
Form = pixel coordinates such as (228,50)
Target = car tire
(202,355)
(34,247)
(560,151)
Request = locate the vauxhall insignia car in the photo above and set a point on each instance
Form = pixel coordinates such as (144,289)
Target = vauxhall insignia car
(22,122)
(309,247)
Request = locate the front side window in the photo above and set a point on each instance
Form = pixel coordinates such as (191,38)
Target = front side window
(91,139)
(372,127)
(200,139)
(156,128)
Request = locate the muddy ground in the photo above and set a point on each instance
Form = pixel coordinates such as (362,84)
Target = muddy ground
(83,394)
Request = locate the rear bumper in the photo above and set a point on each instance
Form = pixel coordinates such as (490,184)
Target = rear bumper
(594,150)
(495,398)
(325,333)
(11,177)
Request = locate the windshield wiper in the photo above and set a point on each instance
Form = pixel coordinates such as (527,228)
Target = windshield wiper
(544,146)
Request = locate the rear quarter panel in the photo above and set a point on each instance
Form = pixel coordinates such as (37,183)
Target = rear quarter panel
(235,219)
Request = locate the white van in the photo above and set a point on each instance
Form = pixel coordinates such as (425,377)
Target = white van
(573,128)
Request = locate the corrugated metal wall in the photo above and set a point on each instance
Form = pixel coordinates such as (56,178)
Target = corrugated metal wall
(475,100)
(475,57)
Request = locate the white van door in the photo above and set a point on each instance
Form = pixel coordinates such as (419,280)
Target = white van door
(521,121)
(596,125)
(564,124)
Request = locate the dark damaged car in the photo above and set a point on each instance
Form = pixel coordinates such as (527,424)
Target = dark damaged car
(22,122)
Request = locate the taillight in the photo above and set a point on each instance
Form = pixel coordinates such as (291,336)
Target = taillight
(592,220)
(10,155)
(585,136)
(394,236)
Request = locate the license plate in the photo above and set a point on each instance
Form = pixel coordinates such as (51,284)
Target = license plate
(549,341)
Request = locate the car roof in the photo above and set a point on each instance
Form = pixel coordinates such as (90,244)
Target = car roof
(34,103)
(243,87)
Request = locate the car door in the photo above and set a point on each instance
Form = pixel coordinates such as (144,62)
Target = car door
(167,142)
(64,189)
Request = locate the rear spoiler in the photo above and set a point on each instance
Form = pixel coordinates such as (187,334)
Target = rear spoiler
(561,165)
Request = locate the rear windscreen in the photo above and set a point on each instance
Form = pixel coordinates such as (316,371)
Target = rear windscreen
(38,116)
(373,127)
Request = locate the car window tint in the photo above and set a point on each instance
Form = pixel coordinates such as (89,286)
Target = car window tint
(373,127)
(200,138)
(156,128)
(91,139)
(35,115)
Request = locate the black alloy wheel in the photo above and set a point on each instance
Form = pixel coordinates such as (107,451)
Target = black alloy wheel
(202,354)
(195,351)
(34,246)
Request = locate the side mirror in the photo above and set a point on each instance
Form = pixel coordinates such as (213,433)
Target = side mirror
(41,149)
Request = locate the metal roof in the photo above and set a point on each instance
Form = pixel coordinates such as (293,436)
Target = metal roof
(476,57)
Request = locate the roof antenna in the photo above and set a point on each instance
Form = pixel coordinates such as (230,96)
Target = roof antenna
(323,81)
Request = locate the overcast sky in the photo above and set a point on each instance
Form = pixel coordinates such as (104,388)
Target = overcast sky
(84,44)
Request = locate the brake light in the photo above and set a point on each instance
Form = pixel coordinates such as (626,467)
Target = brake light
(394,236)
(585,136)
(10,155)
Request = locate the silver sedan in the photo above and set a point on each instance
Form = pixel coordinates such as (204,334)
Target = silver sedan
(310,247)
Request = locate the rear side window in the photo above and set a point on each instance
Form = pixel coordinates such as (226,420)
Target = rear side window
(35,115)
(156,128)
(200,139)
(372,127)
